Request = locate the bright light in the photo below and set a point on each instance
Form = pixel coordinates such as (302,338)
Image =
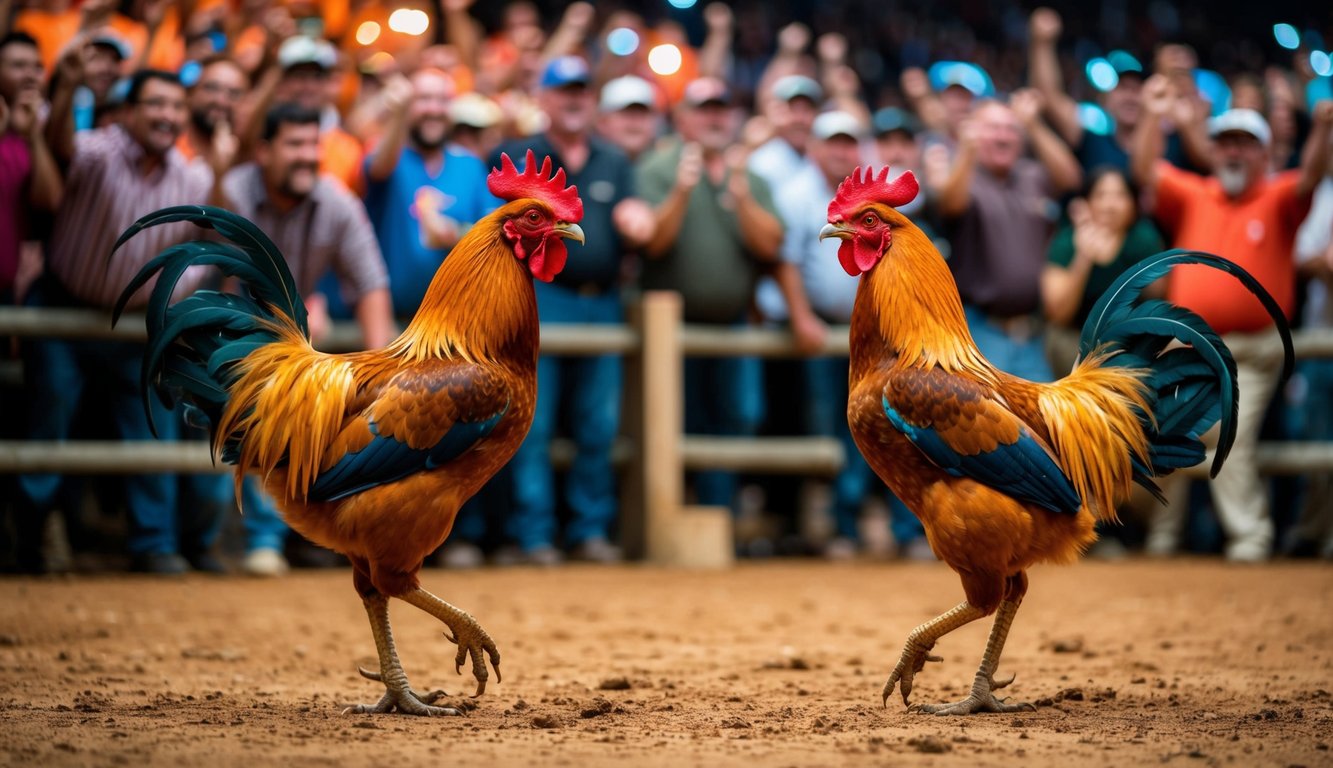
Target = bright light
(1321,63)
(622,41)
(682,3)
(1287,36)
(409,21)
(368,32)
(1102,75)
(1094,119)
(664,60)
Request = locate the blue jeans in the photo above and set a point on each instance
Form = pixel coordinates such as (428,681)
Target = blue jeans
(723,396)
(263,526)
(826,411)
(588,390)
(1024,357)
(57,372)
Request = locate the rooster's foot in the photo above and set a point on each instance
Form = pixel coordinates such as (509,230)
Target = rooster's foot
(914,658)
(405,700)
(472,641)
(982,700)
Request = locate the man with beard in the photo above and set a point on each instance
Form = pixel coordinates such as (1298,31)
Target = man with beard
(421,194)
(587,290)
(716,227)
(113,176)
(306,65)
(1243,213)
(320,228)
(212,102)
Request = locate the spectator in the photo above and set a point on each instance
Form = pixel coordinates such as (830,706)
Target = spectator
(307,66)
(791,106)
(476,124)
(629,116)
(115,175)
(586,291)
(212,100)
(317,225)
(29,177)
(1123,104)
(1106,235)
(716,226)
(997,208)
(1245,214)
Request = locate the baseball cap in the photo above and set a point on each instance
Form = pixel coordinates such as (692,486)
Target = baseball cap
(890,119)
(566,70)
(792,86)
(707,90)
(836,123)
(474,110)
(112,41)
(627,91)
(943,74)
(1242,120)
(302,49)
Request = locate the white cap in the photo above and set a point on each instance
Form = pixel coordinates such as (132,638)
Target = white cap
(302,49)
(837,123)
(1243,120)
(627,91)
(475,110)
(792,86)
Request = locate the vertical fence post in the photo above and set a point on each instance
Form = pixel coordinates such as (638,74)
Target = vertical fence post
(654,420)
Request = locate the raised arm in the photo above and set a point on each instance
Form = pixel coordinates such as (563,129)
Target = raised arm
(1044,75)
(716,50)
(461,30)
(916,87)
(60,120)
(761,231)
(45,186)
(670,212)
(1053,153)
(397,98)
(1314,158)
(953,188)
(1149,144)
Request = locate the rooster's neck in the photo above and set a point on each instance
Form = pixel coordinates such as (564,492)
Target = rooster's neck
(479,307)
(910,302)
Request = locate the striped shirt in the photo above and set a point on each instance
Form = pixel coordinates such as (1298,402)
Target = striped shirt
(105,192)
(329,229)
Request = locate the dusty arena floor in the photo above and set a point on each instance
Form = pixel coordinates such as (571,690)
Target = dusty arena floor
(1186,663)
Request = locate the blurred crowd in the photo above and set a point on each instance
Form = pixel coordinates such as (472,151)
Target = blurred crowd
(706,142)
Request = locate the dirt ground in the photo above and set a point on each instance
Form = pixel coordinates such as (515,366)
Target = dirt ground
(1190,662)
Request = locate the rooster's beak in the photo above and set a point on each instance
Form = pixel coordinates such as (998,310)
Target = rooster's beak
(839,230)
(571,231)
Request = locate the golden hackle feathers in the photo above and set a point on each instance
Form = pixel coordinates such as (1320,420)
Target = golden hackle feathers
(1092,416)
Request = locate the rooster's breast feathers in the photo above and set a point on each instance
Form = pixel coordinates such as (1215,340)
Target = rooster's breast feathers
(423,417)
(966,430)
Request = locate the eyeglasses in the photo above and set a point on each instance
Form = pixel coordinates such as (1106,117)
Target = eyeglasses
(220,89)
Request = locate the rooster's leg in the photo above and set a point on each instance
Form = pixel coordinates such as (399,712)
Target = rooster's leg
(984,685)
(399,695)
(468,635)
(919,643)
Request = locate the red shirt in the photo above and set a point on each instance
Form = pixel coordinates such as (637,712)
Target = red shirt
(15,170)
(1256,230)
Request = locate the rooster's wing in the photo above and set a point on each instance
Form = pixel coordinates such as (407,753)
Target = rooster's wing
(422,418)
(966,430)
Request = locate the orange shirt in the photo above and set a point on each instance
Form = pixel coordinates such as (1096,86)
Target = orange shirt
(1257,231)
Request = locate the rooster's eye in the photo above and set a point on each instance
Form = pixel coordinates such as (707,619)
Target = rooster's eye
(870,220)
(533,217)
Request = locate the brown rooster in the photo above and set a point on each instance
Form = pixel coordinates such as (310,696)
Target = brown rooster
(1006,473)
(372,453)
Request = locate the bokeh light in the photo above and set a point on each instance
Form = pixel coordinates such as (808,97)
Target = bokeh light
(682,3)
(1287,36)
(664,60)
(1095,120)
(1102,75)
(409,21)
(622,41)
(1321,63)
(368,32)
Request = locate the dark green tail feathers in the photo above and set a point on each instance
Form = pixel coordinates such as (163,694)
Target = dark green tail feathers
(1191,387)
(194,344)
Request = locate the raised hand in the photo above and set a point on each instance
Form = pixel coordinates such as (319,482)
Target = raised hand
(691,167)
(1027,104)
(1045,26)
(793,38)
(1158,96)
(718,17)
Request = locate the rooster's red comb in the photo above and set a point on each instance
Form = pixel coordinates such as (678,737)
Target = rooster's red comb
(864,186)
(507,183)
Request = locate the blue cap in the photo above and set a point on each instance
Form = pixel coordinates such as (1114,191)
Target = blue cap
(943,74)
(566,70)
